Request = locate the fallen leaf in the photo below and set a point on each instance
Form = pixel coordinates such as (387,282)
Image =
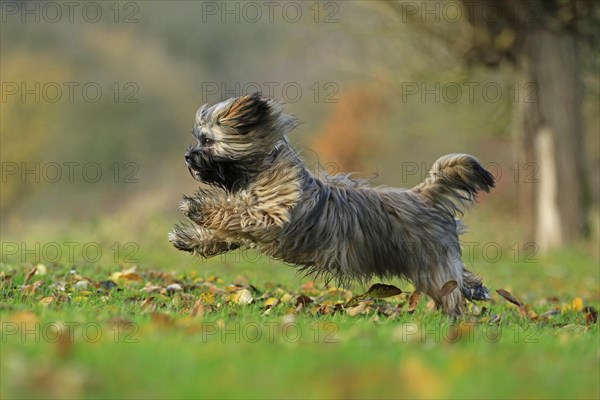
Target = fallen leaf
(207,297)
(381,291)
(199,309)
(242,297)
(31,289)
(509,297)
(526,312)
(46,300)
(271,302)
(30,275)
(174,287)
(413,301)
(147,302)
(233,288)
(356,300)
(129,274)
(41,269)
(448,288)
(150,288)
(132,276)
(287,298)
(577,304)
(81,285)
(359,309)
(591,315)
(304,300)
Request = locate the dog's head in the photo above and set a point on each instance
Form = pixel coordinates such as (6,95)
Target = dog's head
(235,140)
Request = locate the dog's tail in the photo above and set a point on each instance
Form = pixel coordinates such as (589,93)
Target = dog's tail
(453,182)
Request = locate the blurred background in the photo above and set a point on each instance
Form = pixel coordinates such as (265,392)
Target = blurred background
(98,101)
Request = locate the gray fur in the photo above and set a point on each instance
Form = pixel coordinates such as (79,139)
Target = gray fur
(338,227)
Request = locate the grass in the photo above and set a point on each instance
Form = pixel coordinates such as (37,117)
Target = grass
(178,328)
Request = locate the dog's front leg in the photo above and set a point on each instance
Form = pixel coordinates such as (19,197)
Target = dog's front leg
(200,241)
(199,238)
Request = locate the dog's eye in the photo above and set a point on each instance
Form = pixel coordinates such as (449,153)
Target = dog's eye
(207,142)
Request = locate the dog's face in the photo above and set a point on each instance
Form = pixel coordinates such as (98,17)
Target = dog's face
(234,138)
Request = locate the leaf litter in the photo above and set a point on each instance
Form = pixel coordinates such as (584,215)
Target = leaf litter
(164,295)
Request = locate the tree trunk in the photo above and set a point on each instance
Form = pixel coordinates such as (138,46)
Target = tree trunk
(551,140)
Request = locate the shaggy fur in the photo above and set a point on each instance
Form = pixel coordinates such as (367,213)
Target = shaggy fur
(261,195)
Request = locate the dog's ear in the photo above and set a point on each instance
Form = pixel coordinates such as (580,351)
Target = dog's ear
(245,113)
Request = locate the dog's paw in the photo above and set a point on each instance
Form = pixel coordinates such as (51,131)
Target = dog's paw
(181,240)
(191,208)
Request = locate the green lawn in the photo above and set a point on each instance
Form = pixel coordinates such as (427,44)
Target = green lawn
(251,328)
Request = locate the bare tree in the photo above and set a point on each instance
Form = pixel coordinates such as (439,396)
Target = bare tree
(542,39)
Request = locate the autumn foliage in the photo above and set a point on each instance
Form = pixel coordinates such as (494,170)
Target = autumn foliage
(346,138)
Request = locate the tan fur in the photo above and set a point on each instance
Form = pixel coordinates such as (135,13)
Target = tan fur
(263,196)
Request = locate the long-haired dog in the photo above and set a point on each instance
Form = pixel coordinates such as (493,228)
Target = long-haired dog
(260,195)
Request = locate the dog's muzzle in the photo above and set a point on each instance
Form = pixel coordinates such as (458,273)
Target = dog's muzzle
(192,157)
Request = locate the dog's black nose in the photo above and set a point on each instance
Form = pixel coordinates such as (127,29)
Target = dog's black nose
(189,155)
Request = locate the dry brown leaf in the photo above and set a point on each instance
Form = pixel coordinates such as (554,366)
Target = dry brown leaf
(30,275)
(242,297)
(303,300)
(413,301)
(448,288)
(199,309)
(132,277)
(41,269)
(5,280)
(129,274)
(591,315)
(356,300)
(381,291)
(46,300)
(148,304)
(172,288)
(359,309)
(233,288)
(526,312)
(508,296)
